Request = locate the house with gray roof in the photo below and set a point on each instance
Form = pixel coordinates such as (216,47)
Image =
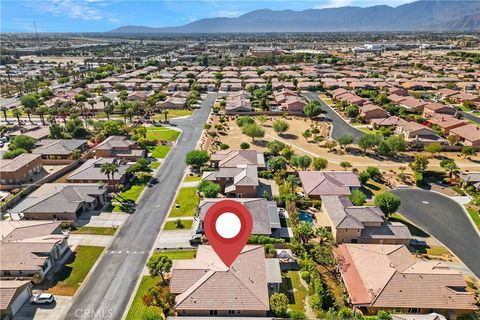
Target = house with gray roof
(264,214)
(471,179)
(119,147)
(239,182)
(90,172)
(58,148)
(62,201)
(360,224)
(234,158)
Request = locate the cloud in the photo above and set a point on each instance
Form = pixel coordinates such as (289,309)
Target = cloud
(334,4)
(74,9)
(229,13)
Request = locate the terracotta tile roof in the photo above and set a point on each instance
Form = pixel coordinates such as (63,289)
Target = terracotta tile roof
(233,158)
(8,290)
(388,276)
(328,182)
(243,286)
(468,132)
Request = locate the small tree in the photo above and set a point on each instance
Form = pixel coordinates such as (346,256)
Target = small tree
(345,165)
(209,189)
(345,140)
(449,166)
(312,109)
(280,126)
(277,163)
(319,164)
(307,134)
(262,119)
(279,304)
(22,142)
(352,111)
(197,158)
(159,265)
(357,197)
(387,202)
(468,151)
(452,140)
(373,172)
(364,176)
(419,163)
(330,145)
(253,131)
(244,120)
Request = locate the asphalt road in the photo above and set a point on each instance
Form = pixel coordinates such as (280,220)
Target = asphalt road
(470,117)
(340,127)
(108,290)
(444,219)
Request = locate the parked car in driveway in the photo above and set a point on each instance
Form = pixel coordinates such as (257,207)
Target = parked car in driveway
(418,243)
(42,298)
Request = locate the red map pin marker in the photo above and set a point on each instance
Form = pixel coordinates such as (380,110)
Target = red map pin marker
(228,225)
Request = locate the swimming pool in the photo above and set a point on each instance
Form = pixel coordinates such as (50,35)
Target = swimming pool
(305,216)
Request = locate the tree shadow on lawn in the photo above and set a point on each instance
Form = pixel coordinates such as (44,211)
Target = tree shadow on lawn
(289,136)
(287,288)
(260,143)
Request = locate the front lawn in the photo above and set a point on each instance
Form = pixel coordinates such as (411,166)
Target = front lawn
(71,276)
(475,216)
(172,225)
(154,165)
(192,178)
(138,310)
(177,254)
(187,199)
(159,152)
(160,133)
(101,231)
(174,113)
(126,198)
(294,290)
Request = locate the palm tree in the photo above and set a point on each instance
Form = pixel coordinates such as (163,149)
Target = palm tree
(322,234)
(294,182)
(28,111)
(17,112)
(123,106)
(42,110)
(92,103)
(106,102)
(165,113)
(109,169)
(4,110)
(108,110)
(76,154)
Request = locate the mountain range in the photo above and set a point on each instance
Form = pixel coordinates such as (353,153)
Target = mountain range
(415,16)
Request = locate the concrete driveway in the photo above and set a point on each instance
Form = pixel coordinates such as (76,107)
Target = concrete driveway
(470,116)
(444,219)
(339,126)
(51,311)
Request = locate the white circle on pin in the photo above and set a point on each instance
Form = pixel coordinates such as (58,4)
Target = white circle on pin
(228,225)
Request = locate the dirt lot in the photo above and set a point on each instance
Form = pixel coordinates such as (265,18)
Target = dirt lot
(234,137)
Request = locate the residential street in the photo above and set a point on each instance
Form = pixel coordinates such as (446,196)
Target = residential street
(444,219)
(110,286)
(340,127)
(470,117)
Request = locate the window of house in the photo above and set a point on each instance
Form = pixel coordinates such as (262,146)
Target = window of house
(213,312)
(231,311)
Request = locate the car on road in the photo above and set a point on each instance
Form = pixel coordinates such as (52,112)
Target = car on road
(196,239)
(42,298)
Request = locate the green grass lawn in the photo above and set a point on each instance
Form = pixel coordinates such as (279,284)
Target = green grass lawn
(160,133)
(138,310)
(159,152)
(130,195)
(102,231)
(73,273)
(414,230)
(177,254)
(192,178)
(475,216)
(154,165)
(174,113)
(188,200)
(171,225)
(294,290)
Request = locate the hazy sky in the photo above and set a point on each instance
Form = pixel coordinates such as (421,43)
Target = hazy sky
(104,15)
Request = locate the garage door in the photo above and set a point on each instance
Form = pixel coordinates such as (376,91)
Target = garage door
(20,300)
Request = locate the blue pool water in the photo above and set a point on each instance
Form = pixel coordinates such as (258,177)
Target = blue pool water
(305,216)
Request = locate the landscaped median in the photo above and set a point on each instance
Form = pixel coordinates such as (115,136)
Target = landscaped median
(70,277)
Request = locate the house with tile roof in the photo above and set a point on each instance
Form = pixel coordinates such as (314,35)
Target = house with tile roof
(13,294)
(264,214)
(468,134)
(91,172)
(360,224)
(21,169)
(58,148)
(387,277)
(233,158)
(62,201)
(204,286)
(30,247)
(239,182)
(328,183)
(119,147)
